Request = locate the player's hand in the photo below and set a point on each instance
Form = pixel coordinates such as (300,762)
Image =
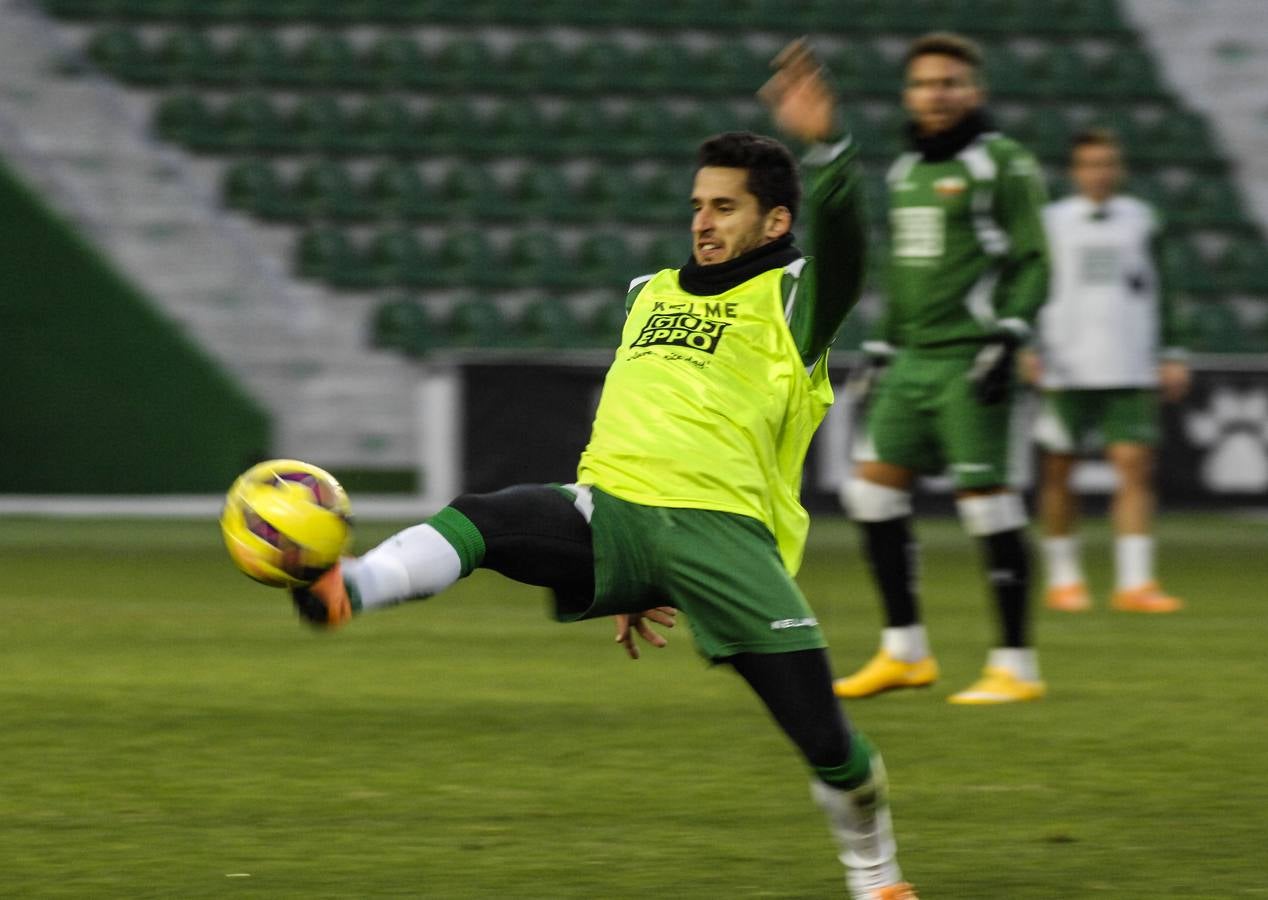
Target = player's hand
(991,375)
(800,99)
(1173,380)
(627,625)
(862,380)
(1030,367)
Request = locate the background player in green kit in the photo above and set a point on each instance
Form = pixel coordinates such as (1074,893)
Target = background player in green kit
(687,494)
(967,271)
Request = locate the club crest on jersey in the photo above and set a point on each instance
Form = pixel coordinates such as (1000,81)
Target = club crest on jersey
(951,186)
(681,330)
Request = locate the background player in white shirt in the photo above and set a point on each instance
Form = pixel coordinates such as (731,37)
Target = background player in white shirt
(1106,351)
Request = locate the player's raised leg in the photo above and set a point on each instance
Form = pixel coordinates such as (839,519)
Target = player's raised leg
(848,782)
(878,498)
(1058,511)
(998,519)
(536,534)
(1136,588)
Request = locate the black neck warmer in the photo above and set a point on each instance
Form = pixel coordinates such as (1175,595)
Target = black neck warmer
(707,281)
(946,144)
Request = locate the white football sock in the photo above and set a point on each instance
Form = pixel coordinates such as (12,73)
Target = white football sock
(412,564)
(1133,560)
(1023,662)
(1061,555)
(859,819)
(908,643)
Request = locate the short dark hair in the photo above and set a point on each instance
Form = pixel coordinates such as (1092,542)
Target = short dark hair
(1097,136)
(772,171)
(947,43)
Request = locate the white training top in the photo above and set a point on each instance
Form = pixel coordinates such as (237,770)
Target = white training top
(1100,325)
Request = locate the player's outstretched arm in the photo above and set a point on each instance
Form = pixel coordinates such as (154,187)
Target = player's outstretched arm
(638,623)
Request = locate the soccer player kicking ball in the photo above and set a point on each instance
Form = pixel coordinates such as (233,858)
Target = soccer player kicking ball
(1099,367)
(967,270)
(687,495)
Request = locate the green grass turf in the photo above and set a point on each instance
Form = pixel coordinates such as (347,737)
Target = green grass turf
(170,730)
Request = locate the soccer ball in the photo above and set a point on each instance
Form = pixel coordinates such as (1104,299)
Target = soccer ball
(285,522)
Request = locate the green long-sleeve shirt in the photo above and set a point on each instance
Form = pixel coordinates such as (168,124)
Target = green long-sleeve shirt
(968,258)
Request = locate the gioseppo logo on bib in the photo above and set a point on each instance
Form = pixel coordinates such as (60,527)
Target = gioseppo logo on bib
(681,330)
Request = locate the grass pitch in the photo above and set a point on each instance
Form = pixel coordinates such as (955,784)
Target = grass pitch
(170,730)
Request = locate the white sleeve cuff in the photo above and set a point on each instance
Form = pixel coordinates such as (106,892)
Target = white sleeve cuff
(822,154)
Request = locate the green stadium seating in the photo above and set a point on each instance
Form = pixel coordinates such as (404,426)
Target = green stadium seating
(476,321)
(254,186)
(1126,72)
(660,197)
(517,127)
(250,123)
(602,66)
(396,256)
(399,191)
(464,64)
(586,128)
(327,60)
(402,323)
(539,64)
(543,192)
(185,118)
(466,257)
(121,52)
(451,126)
(319,124)
(609,193)
(187,57)
(605,260)
(606,321)
(1209,201)
(1215,327)
(325,252)
(1185,269)
(384,124)
(471,190)
(326,190)
(535,258)
(666,251)
(257,58)
(1243,266)
(549,322)
(394,61)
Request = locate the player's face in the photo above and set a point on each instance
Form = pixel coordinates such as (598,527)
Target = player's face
(1097,171)
(940,91)
(728,220)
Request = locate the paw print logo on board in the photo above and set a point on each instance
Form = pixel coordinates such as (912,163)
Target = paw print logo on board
(1233,430)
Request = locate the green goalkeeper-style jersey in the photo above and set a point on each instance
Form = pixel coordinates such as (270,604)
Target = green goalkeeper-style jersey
(968,256)
(721,377)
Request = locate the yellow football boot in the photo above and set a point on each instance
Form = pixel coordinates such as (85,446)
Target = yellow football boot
(998,686)
(885,673)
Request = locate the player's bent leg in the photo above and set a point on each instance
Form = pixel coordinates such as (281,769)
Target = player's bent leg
(849,784)
(879,499)
(997,518)
(536,534)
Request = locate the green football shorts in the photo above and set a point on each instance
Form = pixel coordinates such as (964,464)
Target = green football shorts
(722,571)
(925,417)
(1082,421)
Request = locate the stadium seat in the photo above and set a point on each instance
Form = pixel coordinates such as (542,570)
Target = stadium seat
(254,186)
(859,67)
(399,191)
(602,66)
(1060,71)
(326,190)
(257,58)
(649,130)
(1209,201)
(542,192)
(535,259)
(250,123)
(662,197)
(383,125)
(609,193)
(585,128)
(728,68)
(121,52)
(666,251)
(540,65)
(464,64)
(396,256)
(605,260)
(451,126)
(1177,136)
(1215,327)
(607,320)
(466,259)
(471,190)
(402,323)
(327,60)
(476,321)
(1127,72)
(549,322)
(187,56)
(1006,72)
(1184,267)
(185,118)
(319,124)
(1243,266)
(395,61)
(517,127)
(326,253)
